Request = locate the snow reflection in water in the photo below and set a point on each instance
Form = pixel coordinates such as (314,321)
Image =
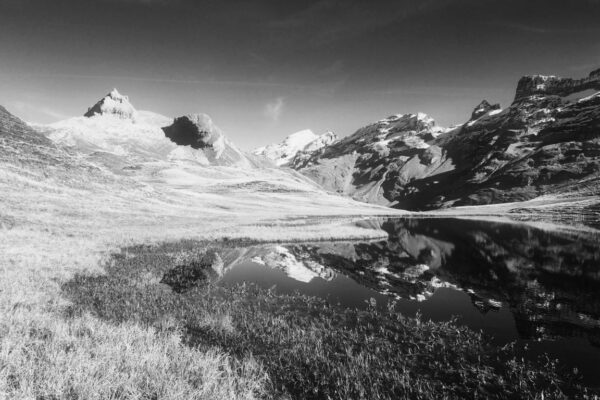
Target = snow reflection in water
(514,282)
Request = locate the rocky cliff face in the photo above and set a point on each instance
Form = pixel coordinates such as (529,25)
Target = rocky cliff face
(199,132)
(552,85)
(195,130)
(546,142)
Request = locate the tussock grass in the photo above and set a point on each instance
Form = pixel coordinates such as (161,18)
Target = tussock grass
(311,349)
(84,358)
(47,353)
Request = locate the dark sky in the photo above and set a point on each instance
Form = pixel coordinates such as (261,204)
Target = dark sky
(264,69)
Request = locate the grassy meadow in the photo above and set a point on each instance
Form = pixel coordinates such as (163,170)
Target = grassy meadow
(206,341)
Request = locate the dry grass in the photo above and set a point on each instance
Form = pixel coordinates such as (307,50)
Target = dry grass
(83,358)
(45,354)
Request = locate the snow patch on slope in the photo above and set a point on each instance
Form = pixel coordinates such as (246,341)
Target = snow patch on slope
(113,134)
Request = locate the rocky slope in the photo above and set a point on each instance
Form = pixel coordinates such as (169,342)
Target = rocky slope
(546,142)
(297,146)
(359,165)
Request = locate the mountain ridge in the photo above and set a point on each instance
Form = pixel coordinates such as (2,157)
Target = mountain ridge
(545,142)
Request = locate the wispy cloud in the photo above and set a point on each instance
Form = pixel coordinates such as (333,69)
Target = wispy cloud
(273,109)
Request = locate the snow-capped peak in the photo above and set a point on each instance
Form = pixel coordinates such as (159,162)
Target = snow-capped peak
(284,152)
(300,139)
(114,103)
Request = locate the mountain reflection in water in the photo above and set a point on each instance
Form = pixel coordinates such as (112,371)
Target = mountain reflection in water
(513,281)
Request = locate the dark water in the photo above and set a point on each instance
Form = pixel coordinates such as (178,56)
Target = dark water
(516,283)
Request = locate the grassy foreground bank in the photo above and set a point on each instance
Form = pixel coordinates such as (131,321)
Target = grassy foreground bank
(281,346)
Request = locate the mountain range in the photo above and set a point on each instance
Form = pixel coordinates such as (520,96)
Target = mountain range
(547,142)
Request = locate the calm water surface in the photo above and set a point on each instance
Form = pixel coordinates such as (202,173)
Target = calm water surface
(537,288)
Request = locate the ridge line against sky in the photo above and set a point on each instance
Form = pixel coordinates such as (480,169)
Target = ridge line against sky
(265,69)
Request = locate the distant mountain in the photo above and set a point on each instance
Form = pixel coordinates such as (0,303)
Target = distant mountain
(116,134)
(301,144)
(108,176)
(546,142)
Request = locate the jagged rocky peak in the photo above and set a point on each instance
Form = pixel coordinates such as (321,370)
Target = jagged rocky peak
(195,130)
(483,108)
(552,85)
(113,103)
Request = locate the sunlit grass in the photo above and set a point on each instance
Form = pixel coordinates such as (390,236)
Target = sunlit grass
(45,353)
(84,358)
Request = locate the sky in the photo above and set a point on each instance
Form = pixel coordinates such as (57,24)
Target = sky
(267,68)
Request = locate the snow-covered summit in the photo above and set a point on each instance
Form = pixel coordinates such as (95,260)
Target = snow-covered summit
(114,103)
(303,141)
